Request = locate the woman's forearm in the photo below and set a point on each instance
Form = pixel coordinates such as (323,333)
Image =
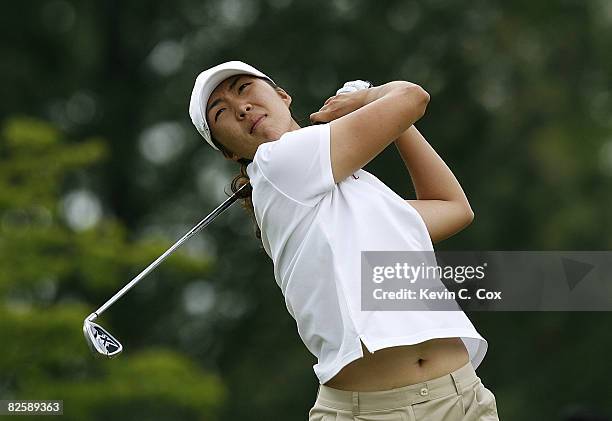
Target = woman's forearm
(431,177)
(375,92)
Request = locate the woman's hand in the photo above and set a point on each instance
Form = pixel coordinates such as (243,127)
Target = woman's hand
(340,105)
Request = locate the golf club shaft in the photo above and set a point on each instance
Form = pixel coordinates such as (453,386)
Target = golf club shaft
(203,223)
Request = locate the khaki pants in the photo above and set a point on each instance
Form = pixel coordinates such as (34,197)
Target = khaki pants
(459,395)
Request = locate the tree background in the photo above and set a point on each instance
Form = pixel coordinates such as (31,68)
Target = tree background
(101,170)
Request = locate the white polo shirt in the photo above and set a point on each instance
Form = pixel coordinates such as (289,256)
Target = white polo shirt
(314,231)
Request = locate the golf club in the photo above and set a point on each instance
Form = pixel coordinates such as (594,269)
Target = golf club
(98,338)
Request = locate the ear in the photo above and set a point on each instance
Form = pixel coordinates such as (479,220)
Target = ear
(233,157)
(284,96)
(230,155)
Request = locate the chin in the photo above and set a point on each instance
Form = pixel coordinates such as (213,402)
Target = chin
(275,134)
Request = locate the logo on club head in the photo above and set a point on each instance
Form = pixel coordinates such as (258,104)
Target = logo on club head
(105,340)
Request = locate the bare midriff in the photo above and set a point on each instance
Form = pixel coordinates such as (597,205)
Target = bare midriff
(398,366)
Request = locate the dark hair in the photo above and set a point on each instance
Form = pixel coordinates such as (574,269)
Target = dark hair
(242,177)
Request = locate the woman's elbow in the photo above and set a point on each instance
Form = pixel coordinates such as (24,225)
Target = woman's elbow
(421,98)
(465,214)
(469,216)
(425,95)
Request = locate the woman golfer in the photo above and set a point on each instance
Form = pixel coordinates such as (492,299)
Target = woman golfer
(316,209)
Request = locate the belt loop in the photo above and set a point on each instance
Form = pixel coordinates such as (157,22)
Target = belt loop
(456,383)
(355,403)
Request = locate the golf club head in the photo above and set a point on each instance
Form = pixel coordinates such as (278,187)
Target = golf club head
(100,341)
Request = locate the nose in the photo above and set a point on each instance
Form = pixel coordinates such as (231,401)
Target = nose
(243,109)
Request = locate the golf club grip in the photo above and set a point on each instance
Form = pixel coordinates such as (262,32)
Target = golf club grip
(203,223)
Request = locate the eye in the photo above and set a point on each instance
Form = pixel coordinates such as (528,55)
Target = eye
(242,87)
(218,112)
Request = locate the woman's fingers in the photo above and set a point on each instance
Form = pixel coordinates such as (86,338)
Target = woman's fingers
(322,115)
(328,99)
(336,107)
(319,117)
(340,104)
(331,110)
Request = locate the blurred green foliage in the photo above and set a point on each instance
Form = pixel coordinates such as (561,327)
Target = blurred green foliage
(108,171)
(43,352)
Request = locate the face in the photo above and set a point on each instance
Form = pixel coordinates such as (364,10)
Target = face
(244,112)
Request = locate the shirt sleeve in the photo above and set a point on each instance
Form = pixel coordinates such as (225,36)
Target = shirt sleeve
(298,164)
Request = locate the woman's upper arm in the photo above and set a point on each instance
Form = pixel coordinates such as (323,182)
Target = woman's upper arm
(443,218)
(358,137)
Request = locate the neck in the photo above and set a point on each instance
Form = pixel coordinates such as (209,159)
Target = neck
(294,126)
